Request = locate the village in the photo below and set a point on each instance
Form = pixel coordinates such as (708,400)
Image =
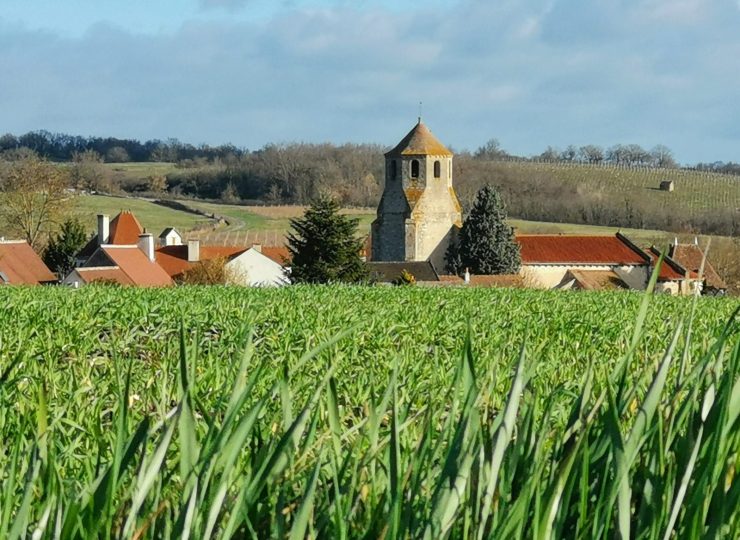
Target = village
(418,217)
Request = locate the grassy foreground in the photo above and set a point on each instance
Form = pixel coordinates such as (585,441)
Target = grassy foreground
(367,412)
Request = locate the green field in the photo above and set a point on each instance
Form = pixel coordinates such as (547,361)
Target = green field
(151,216)
(139,171)
(366,412)
(695,190)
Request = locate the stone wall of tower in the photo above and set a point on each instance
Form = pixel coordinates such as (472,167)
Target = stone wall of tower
(436,212)
(417,215)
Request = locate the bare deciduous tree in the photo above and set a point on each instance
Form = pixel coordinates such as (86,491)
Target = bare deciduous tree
(34,198)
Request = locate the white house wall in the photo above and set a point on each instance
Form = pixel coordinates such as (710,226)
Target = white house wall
(254,269)
(547,276)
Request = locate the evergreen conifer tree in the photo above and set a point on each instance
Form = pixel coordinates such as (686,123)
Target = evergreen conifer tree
(324,246)
(486,242)
(60,252)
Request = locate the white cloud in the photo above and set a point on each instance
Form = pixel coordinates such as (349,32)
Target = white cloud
(531,74)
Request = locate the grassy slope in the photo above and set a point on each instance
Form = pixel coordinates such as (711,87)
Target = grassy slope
(694,189)
(151,216)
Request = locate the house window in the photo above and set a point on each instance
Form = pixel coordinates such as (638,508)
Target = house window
(415,168)
(393,169)
(437,169)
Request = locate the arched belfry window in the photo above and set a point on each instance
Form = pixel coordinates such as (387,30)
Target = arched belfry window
(393,169)
(437,169)
(414,168)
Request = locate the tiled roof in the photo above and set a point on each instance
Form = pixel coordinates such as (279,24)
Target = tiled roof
(419,142)
(503,280)
(124,230)
(579,249)
(279,254)
(20,265)
(140,270)
(174,259)
(100,273)
(690,256)
(595,280)
(670,270)
(386,272)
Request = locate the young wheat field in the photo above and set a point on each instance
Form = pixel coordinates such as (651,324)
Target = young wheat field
(367,412)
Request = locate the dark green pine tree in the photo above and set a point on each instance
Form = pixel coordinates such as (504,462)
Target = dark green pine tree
(487,244)
(324,246)
(60,252)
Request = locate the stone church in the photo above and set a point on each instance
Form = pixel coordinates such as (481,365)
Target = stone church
(419,213)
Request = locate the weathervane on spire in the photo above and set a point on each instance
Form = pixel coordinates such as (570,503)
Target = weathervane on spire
(420,111)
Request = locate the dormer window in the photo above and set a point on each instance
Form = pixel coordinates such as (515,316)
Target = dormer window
(437,169)
(414,168)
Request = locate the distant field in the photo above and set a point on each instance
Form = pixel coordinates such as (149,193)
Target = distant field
(139,171)
(151,216)
(695,190)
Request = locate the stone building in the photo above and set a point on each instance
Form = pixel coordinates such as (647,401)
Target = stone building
(419,213)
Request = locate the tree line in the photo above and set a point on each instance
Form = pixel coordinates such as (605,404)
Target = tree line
(64,147)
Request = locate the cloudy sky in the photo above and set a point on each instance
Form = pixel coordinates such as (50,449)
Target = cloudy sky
(530,73)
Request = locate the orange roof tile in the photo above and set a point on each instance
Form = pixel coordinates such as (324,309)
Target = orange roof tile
(279,254)
(137,266)
(690,256)
(501,280)
(419,142)
(577,249)
(670,270)
(125,229)
(174,259)
(110,273)
(20,265)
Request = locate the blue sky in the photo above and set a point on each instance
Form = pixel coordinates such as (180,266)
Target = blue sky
(530,73)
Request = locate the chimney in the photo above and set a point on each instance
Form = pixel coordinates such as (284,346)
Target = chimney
(193,250)
(257,247)
(146,244)
(103,229)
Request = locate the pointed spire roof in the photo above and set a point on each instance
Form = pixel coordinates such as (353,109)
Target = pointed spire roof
(419,142)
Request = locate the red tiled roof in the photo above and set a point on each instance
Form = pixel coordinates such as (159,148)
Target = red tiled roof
(492,280)
(578,249)
(111,273)
(279,254)
(174,259)
(21,265)
(690,256)
(140,270)
(670,270)
(125,229)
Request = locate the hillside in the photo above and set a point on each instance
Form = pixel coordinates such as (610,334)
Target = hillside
(606,195)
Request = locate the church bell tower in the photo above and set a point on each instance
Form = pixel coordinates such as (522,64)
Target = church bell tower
(419,213)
